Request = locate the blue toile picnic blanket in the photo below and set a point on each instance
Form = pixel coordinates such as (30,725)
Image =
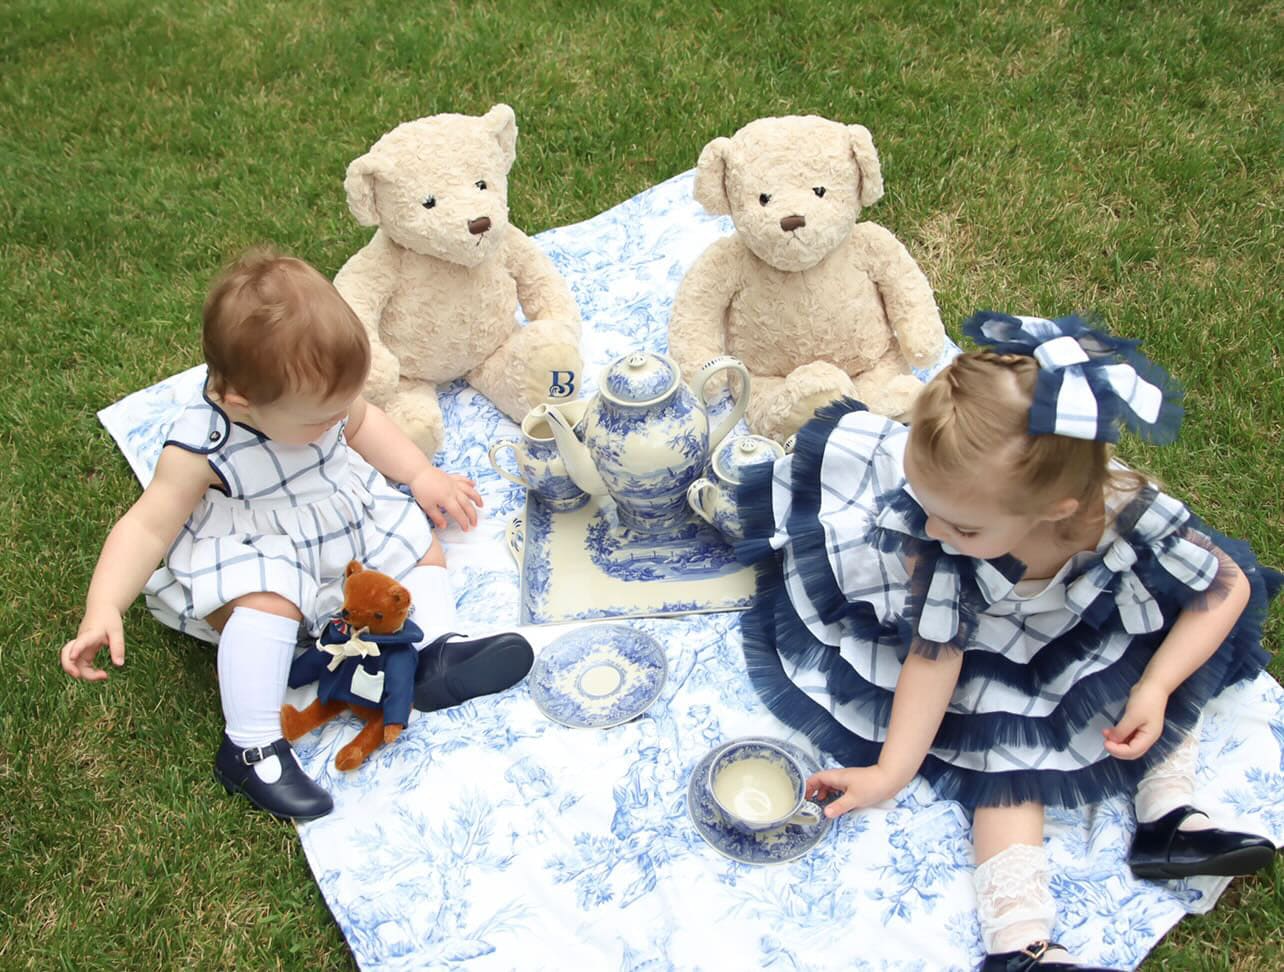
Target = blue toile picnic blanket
(488,837)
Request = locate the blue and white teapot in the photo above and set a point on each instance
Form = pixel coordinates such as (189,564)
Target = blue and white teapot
(646,437)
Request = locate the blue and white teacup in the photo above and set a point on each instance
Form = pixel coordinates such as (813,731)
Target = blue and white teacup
(539,463)
(757,787)
(713,498)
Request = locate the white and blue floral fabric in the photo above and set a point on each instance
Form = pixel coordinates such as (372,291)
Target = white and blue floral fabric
(489,837)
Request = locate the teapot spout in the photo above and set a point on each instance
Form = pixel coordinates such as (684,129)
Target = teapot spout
(579,464)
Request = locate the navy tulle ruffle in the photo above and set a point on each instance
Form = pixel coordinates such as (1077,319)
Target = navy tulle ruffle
(775,639)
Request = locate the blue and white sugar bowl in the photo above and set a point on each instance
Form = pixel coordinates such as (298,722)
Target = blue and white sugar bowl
(714,499)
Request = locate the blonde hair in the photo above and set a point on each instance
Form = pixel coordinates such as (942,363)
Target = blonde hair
(974,417)
(272,324)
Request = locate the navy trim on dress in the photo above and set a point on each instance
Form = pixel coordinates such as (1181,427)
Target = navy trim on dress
(774,634)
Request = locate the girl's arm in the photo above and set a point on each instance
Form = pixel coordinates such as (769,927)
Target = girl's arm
(130,553)
(1194,638)
(923,693)
(373,436)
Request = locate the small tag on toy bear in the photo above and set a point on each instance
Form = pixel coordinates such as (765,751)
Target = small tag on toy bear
(366,685)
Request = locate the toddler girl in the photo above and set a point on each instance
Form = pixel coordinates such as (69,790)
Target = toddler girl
(988,599)
(269,483)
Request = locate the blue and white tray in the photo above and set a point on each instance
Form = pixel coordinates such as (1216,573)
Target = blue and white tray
(582,565)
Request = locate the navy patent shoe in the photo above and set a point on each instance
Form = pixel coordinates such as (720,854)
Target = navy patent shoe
(1161,851)
(451,672)
(1027,960)
(294,796)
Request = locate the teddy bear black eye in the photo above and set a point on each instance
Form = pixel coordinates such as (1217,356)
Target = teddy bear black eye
(819,191)
(378,615)
(764,199)
(429,202)
(480,184)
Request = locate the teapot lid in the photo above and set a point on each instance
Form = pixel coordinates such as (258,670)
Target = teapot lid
(737,453)
(639,378)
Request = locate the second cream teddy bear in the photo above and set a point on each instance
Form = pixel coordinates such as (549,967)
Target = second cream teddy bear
(816,303)
(439,285)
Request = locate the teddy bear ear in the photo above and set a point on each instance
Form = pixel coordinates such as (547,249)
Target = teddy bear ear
(710,189)
(871,173)
(359,184)
(354,567)
(503,125)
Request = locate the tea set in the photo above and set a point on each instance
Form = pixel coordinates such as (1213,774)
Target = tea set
(646,448)
(646,442)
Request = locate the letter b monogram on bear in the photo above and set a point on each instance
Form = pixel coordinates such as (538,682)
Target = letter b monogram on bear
(563,384)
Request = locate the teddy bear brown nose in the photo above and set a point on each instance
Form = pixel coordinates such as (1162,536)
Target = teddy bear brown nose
(791,223)
(479,226)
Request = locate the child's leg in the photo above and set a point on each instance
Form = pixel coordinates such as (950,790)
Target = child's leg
(432,598)
(1013,891)
(255,648)
(452,672)
(257,636)
(1174,839)
(1171,784)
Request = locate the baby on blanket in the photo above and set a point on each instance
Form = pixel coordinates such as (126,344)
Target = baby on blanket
(271,481)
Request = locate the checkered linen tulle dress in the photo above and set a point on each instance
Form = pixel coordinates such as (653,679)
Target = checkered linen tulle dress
(849,583)
(287,520)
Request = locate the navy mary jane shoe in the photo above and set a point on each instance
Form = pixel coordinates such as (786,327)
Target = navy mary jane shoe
(452,672)
(294,796)
(1027,960)
(1161,851)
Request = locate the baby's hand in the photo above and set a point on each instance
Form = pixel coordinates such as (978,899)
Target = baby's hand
(860,786)
(440,493)
(101,626)
(1141,725)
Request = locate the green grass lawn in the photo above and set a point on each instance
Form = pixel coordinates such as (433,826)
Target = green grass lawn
(1039,157)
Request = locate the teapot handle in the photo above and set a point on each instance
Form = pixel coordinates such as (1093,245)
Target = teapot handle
(723,363)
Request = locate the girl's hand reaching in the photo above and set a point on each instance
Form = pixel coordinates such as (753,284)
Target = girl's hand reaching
(441,494)
(1142,722)
(101,626)
(860,786)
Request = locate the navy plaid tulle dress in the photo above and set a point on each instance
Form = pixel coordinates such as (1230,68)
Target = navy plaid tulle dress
(849,583)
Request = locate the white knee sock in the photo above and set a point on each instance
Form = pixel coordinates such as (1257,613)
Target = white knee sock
(254,655)
(1014,900)
(1171,784)
(432,601)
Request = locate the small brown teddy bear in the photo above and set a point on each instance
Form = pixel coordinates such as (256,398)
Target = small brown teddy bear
(364,662)
(816,302)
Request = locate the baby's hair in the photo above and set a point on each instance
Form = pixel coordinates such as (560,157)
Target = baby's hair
(274,325)
(975,415)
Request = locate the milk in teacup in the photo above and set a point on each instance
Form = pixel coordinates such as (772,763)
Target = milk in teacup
(756,790)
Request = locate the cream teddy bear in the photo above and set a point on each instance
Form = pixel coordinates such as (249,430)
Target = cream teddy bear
(439,284)
(816,304)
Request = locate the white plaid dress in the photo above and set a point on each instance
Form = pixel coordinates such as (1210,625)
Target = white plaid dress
(287,520)
(849,584)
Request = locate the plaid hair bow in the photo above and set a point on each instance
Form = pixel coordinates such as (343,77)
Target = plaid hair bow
(1088,380)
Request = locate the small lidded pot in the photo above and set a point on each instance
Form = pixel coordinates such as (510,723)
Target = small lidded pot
(714,499)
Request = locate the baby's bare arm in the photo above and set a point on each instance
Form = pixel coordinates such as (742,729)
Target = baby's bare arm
(130,553)
(373,436)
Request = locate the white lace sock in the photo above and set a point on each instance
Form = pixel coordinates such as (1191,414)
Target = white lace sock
(254,655)
(1014,900)
(432,601)
(1171,784)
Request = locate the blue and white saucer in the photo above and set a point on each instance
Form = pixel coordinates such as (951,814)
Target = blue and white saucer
(599,676)
(774,847)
